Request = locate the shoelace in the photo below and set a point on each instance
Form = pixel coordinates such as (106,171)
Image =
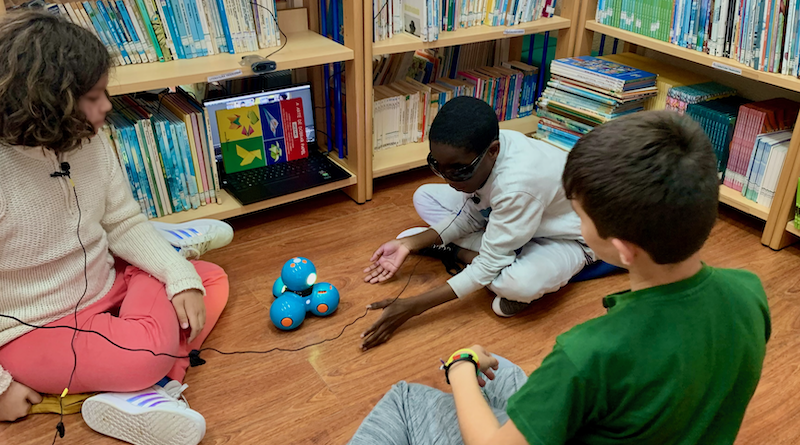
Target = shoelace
(175,392)
(196,245)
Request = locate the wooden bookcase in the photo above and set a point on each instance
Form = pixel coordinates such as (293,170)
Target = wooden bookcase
(409,156)
(777,232)
(305,48)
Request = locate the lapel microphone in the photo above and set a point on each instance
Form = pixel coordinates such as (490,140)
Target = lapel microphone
(64,171)
(476,199)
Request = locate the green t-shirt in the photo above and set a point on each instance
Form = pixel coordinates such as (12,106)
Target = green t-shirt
(673,364)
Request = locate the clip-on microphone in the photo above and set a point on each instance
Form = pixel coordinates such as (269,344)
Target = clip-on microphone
(64,171)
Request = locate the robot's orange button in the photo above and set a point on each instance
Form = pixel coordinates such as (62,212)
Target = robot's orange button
(286,322)
(322,308)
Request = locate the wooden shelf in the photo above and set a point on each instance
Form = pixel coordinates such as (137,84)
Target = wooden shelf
(406,157)
(230,207)
(735,199)
(303,48)
(780,80)
(791,229)
(403,42)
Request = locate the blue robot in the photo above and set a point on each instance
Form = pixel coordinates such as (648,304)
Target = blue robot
(296,294)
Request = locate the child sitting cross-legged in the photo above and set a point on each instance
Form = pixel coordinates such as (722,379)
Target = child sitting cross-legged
(75,249)
(675,360)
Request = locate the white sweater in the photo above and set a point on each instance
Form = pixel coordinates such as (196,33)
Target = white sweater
(41,260)
(524,199)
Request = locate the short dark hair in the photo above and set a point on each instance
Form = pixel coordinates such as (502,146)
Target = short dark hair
(467,123)
(650,179)
(46,65)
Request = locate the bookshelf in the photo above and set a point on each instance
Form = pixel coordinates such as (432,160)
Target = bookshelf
(777,233)
(406,157)
(305,48)
(401,43)
(730,65)
(791,229)
(230,207)
(732,198)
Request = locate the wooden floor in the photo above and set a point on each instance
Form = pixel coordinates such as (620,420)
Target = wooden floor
(321,394)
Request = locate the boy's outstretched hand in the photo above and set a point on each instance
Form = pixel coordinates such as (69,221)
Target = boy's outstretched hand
(395,313)
(386,261)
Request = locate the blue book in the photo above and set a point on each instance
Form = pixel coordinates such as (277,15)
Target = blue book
(179,141)
(126,19)
(101,23)
(196,35)
(184,36)
(602,73)
(103,37)
(115,31)
(171,21)
(223,18)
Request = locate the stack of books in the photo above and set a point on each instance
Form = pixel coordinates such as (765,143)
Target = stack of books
(669,76)
(410,88)
(585,92)
(756,119)
(680,97)
(142,31)
(762,34)
(165,150)
(718,119)
(426,18)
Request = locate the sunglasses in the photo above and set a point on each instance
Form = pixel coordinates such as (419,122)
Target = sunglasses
(460,174)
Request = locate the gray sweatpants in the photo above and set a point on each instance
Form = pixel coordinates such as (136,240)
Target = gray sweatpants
(414,414)
(542,266)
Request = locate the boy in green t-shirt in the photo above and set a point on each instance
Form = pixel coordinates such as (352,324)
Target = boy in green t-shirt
(674,361)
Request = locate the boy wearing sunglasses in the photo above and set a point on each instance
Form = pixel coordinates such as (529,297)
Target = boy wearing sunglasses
(502,213)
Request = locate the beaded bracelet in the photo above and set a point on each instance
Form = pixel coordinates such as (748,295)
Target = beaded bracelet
(460,356)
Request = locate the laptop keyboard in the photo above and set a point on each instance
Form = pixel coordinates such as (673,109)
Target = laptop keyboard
(278,172)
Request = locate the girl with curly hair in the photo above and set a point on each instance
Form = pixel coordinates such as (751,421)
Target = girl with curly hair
(76,251)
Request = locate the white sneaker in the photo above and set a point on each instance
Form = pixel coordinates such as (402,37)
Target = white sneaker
(155,416)
(194,238)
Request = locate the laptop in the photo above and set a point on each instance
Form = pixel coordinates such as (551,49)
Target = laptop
(266,146)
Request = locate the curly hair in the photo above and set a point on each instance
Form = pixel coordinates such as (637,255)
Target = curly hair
(46,65)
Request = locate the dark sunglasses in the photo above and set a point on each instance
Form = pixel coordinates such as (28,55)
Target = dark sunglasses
(460,174)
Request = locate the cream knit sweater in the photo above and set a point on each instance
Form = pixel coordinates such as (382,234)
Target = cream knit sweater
(41,260)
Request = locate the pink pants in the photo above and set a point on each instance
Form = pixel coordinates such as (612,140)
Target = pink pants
(135,314)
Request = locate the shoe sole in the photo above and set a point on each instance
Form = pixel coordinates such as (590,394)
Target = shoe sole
(150,427)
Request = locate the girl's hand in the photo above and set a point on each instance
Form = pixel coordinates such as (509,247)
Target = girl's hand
(191,311)
(16,402)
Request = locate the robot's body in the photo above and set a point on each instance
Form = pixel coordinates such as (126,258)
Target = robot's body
(296,293)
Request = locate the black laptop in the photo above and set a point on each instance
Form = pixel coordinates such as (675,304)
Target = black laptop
(255,136)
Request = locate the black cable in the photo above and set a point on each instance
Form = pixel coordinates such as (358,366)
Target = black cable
(192,355)
(60,430)
(381,10)
(285,38)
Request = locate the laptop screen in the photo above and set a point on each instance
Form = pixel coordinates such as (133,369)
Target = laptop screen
(260,116)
